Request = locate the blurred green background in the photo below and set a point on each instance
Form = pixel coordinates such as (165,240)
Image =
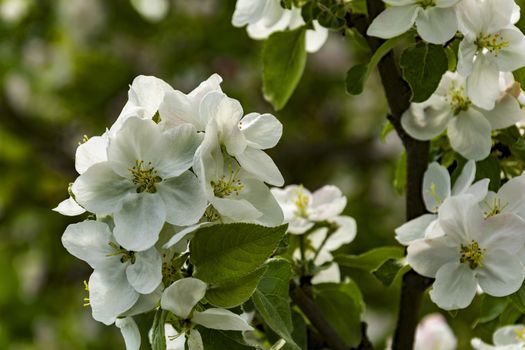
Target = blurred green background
(65,67)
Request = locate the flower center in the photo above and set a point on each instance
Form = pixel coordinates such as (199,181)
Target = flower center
(226,186)
(459,102)
(127,255)
(426,3)
(472,255)
(520,334)
(492,43)
(301,203)
(495,208)
(144,177)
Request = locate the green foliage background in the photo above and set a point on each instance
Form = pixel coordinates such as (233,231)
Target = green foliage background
(65,68)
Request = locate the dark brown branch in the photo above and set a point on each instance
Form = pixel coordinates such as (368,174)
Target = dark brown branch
(398,96)
(316,317)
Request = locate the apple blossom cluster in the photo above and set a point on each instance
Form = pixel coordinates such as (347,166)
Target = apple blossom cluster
(473,239)
(317,217)
(481,95)
(170,163)
(264,17)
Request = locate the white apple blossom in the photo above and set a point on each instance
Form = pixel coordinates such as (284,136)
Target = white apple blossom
(265,17)
(302,209)
(130,332)
(182,297)
(474,251)
(505,338)
(509,199)
(145,182)
(436,189)
(233,193)
(491,45)
(435,20)
(120,276)
(468,125)
(434,333)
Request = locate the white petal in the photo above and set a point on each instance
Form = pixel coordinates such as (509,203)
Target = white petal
(262,131)
(512,57)
(299,225)
(139,221)
(152,10)
(501,273)
(195,340)
(182,296)
(329,275)
(174,340)
(428,255)
(110,294)
(327,203)
(424,121)
(478,344)
(145,302)
(414,229)
(479,190)
(437,25)
(512,196)
(455,286)
(461,218)
(469,135)
(503,232)
(148,92)
(184,234)
(466,53)
(260,165)
(316,38)
(483,83)
(93,151)
(130,332)
(400,2)
(69,207)
(145,274)
(100,190)
(222,319)
(259,196)
(247,11)
(506,112)
(184,199)
(393,21)
(446,3)
(436,186)
(178,146)
(508,335)
(465,179)
(344,234)
(89,241)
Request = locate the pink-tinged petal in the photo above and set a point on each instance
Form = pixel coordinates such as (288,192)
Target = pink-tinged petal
(455,286)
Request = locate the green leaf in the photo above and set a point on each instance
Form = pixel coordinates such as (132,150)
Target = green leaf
(214,339)
(491,307)
(372,259)
(519,75)
(284,58)
(272,302)
(221,253)
(389,270)
(489,168)
(342,305)
(358,75)
(400,178)
(158,338)
(423,66)
(234,292)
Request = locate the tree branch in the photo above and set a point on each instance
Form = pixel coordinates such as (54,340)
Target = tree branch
(398,96)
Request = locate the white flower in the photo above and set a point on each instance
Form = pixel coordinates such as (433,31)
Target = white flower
(233,193)
(434,333)
(265,17)
(491,45)
(474,251)
(303,209)
(436,189)
(178,108)
(182,297)
(244,138)
(435,20)
(468,126)
(144,183)
(509,199)
(152,10)
(130,332)
(505,338)
(120,276)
